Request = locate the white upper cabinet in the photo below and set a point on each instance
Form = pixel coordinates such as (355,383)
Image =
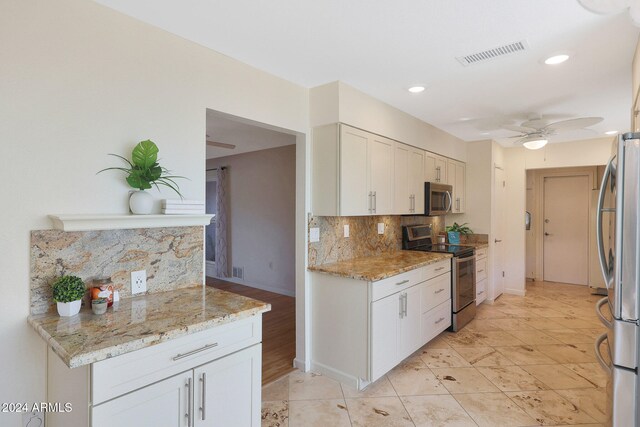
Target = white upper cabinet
(380,174)
(456,177)
(409,179)
(435,168)
(354,188)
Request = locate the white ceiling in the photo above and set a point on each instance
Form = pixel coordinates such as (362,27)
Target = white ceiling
(382,47)
(245,136)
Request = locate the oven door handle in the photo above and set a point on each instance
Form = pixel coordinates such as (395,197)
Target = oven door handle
(601,360)
(461,260)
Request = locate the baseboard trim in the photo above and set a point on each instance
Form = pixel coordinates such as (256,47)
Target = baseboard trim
(299,364)
(517,292)
(337,375)
(281,291)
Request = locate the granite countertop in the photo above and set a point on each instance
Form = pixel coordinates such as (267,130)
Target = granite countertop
(140,322)
(380,267)
(477,245)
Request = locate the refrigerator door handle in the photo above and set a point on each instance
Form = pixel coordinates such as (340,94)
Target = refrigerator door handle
(604,364)
(601,253)
(606,322)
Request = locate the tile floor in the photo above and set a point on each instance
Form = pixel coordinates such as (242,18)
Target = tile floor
(522,361)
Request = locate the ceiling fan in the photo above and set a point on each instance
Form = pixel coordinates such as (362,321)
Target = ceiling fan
(219,144)
(535,132)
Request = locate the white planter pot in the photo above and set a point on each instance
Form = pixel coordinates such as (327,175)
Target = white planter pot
(68,309)
(141,202)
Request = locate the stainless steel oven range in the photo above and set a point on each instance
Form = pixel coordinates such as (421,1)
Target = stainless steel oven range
(463,270)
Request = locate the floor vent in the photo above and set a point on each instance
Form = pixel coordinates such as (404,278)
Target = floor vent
(496,52)
(238,272)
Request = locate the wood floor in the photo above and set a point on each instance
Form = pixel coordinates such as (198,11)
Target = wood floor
(278,328)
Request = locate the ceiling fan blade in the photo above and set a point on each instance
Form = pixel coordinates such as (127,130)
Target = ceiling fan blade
(535,124)
(604,6)
(220,144)
(521,129)
(572,124)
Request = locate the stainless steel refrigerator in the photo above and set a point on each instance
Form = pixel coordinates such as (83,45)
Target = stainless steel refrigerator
(618,228)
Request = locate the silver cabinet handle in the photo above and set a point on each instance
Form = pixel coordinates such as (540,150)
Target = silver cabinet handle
(203,380)
(403,282)
(400,307)
(370,201)
(603,319)
(604,364)
(188,414)
(439,268)
(375,202)
(197,350)
(439,290)
(439,320)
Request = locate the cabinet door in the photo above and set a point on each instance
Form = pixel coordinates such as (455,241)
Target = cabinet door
(354,192)
(409,325)
(416,179)
(430,173)
(403,197)
(461,185)
(163,404)
(385,314)
(381,174)
(441,169)
(228,390)
(451,180)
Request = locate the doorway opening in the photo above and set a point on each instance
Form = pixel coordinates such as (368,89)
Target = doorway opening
(250,244)
(560,226)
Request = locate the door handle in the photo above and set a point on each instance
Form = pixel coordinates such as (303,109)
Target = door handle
(497,241)
(547,234)
(606,322)
(203,380)
(450,201)
(375,202)
(401,307)
(370,201)
(604,364)
(188,414)
(599,241)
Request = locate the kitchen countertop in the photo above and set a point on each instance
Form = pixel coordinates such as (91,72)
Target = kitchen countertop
(476,245)
(140,322)
(380,267)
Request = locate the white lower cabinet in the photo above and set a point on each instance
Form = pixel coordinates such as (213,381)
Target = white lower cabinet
(361,330)
(481,275)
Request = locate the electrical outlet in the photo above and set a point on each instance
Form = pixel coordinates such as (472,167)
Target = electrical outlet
(381,228)
(138,282)
(314,234)
(33,419)
(346,230)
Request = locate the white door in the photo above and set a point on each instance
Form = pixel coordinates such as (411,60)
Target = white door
(354,196)
(416,179)
(499,207)
(403,200)
(409,325)
(566,229)
(381,174)
(227,391)
(163,404)
(385,314)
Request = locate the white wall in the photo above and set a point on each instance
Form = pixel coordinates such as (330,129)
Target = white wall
(517,160)
(261,216)
(78,81)
(339,102)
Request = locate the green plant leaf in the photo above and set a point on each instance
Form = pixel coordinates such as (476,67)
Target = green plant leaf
(68,288)
(137,180)
(145,154)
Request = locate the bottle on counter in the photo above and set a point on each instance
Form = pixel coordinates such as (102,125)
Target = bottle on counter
(102,288)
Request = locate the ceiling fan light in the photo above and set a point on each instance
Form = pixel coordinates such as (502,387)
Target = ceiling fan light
(535,144)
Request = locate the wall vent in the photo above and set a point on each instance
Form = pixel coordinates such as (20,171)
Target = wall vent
(496,52)
(237,272)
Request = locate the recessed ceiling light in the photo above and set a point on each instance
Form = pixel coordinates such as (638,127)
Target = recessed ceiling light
(485,133)
(416,89)
(464,119)
(556,59)
(611,132)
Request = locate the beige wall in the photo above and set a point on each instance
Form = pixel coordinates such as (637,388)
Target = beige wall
(339,102)
(79,81)
(261,216)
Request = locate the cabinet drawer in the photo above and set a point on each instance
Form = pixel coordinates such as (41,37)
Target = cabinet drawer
(432,270)
(122,374)
(481,253)
(481,269)
(481,291)
(434,292)
(435,321)
(393,284)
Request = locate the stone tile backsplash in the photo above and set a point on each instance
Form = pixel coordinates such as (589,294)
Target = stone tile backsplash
(363,239)
(173,258)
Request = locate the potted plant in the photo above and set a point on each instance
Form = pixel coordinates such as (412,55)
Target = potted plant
(68,292)
(143,171)
(454,231)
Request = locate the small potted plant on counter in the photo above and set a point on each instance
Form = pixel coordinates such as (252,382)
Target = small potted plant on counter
(68,292)
(454,231)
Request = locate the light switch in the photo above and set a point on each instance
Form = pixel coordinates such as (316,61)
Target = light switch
(314,234)
(346,230)
(381,228)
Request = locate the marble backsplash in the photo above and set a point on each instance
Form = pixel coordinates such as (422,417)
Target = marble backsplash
(363,239)
(173,258)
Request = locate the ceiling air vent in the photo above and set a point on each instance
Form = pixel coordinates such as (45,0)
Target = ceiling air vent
(496,52)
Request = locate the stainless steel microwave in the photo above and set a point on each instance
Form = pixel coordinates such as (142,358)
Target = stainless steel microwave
(437,198)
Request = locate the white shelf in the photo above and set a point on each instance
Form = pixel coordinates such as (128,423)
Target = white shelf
(115,222)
